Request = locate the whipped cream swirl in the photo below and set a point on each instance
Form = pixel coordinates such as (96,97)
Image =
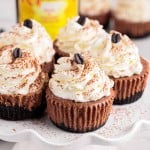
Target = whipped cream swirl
(17,74)
(79,82)
(94,7)
(90,37)
(133,10)
(36,39)
(122,59)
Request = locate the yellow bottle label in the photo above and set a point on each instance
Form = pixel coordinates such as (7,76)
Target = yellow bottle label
(52,14)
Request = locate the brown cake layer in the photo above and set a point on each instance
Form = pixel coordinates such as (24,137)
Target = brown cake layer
(135,30)
(59,53)
(48,67)
(78,117)
(130,89)
(29,101)
(103,19)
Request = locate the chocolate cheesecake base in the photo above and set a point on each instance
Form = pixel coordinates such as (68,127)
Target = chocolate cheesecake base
(63,127)
(130,89)
(78,117)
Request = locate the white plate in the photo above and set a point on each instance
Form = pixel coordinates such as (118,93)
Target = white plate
(125,123)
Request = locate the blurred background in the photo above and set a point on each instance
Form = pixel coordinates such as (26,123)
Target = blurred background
(7,13)
(8,16)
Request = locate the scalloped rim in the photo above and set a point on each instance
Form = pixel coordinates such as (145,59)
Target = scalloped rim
(87,138)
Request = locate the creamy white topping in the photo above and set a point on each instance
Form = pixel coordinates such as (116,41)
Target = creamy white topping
(36,39)
(89,37)
(79,82)
(94,7)
(17,74)
(133,10)
(122,60)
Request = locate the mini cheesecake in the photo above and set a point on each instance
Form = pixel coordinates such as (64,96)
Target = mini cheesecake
(31,35)
(126,68)
(79,95)
(132,17)
(81,35)
(23,84)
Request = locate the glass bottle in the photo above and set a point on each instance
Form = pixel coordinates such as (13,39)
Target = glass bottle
(53,14)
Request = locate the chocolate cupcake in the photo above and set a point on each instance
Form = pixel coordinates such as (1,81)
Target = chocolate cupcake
(33,36)
(79,95)
(96,9)
(81,35)
(22,84)
(128,70)
(132,17)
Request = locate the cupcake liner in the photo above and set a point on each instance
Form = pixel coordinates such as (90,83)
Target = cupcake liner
(135,30)
(78,117)
(130,89)
(103,19)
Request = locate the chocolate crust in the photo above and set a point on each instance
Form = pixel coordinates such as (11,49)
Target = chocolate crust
(19,113)
(63,127)
(103,19)
(134,30)
(130,89)
(129,100)
(78,117)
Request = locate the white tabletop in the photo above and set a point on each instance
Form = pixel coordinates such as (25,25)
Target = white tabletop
(8,18)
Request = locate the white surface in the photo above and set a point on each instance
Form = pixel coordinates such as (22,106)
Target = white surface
(144,46)
(139,140)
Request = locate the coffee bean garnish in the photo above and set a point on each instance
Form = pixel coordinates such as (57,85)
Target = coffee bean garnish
(1,30)
(115,38)
(78,58)
(28,23)
(81,20)
(17,53)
